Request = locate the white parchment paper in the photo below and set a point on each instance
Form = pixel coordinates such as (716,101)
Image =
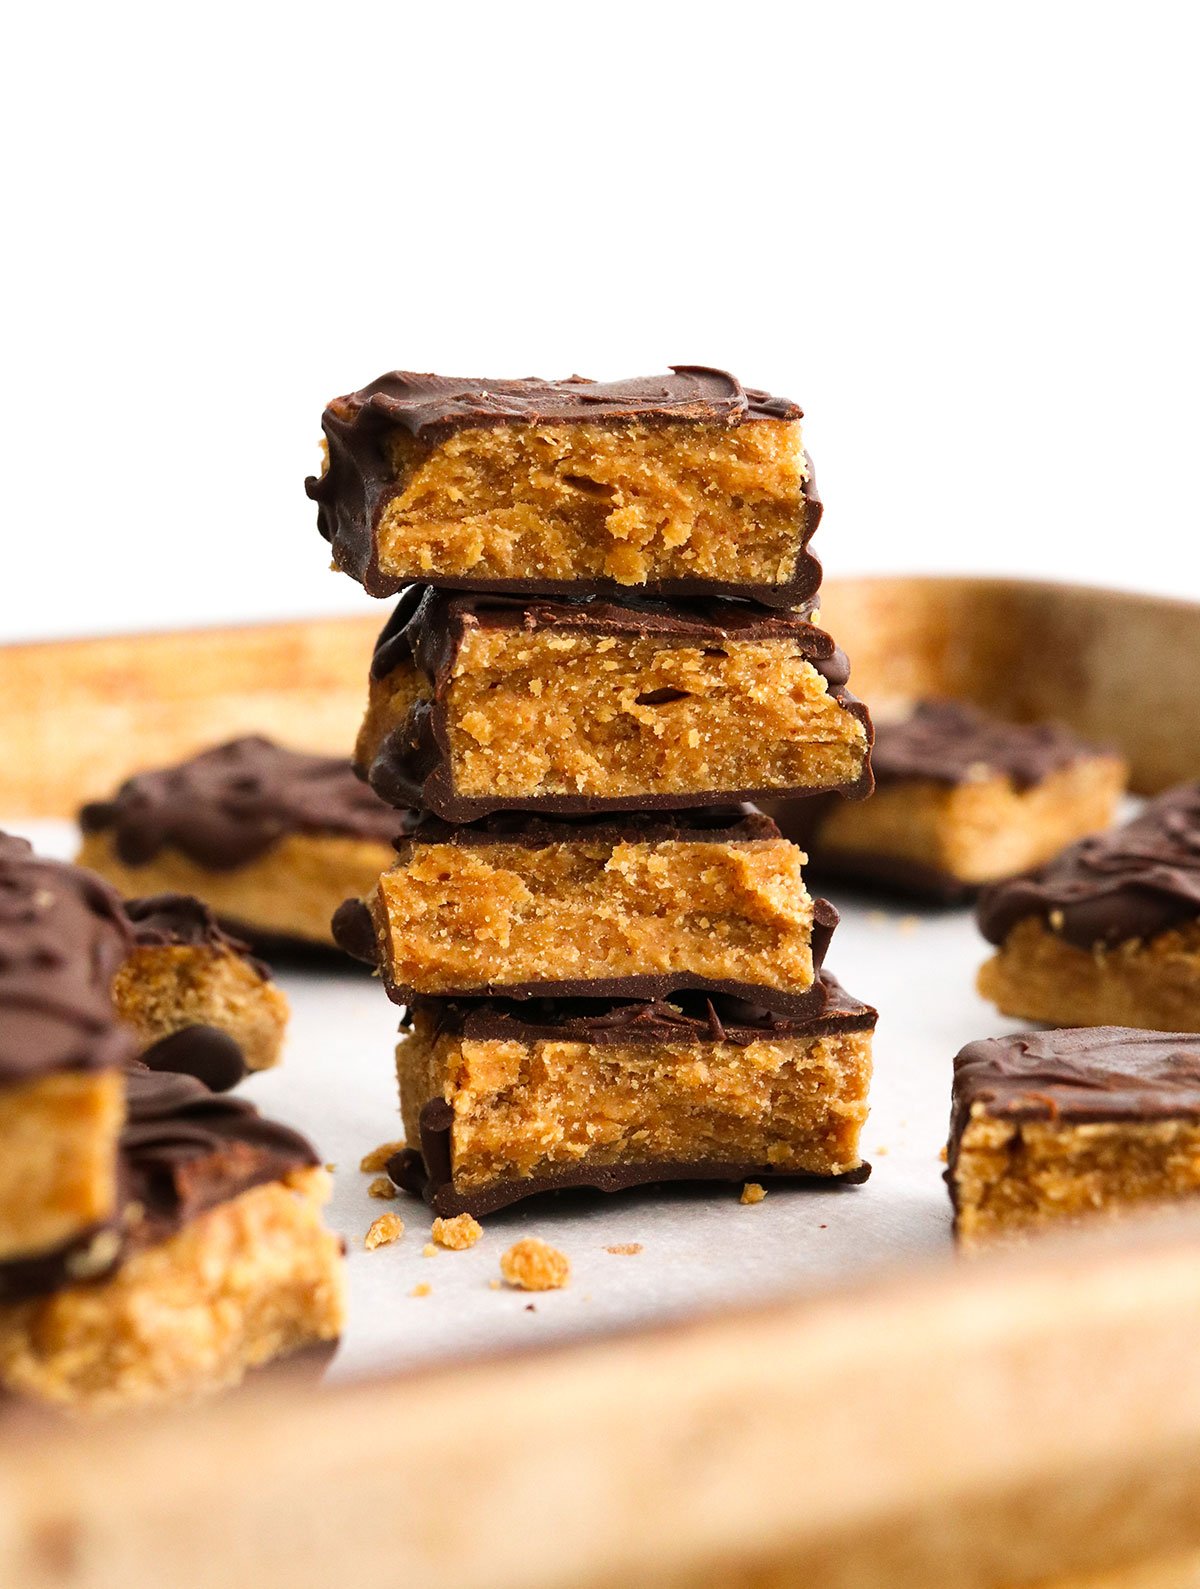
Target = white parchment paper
(700,1248)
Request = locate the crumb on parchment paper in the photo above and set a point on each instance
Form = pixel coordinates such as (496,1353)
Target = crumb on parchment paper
(387,1228)
(458,1233)
(378,1157)
(752,1192)
(533,1265)
(424,1289)
(625,1249)
(381,1187)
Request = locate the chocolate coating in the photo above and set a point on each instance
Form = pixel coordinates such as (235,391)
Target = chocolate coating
(684,1019)
(205,1053)
(1134,881)
(357,484)
(412,765)
(232,804)
(183,1151)
(1077,1075)
(63,934)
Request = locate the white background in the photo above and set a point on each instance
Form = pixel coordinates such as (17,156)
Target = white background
(964,237)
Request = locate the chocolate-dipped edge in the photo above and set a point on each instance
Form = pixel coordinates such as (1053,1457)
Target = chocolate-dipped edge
(954,742)
(232,804)
(354,929)
(428,1173)
(63,936)
(724,824)
(1068,1076)
(358,483)
(411,767)
(1131,882)
(183,1151)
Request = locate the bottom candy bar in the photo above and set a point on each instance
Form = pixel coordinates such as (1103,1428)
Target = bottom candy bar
(510,1099)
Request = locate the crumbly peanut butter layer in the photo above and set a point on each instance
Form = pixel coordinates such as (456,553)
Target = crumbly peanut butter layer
(1014,1178)
(253,1279)
(162,988)
(291,891)
(979,831)
(529,1109)
(1153,984)
(58,1165)
(610,717)
(629,502)
(451,917)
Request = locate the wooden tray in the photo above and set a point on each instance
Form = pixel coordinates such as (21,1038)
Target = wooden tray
(1010,1421)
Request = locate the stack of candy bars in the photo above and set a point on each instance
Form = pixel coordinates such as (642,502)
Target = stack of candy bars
(157,1239)
(611,968)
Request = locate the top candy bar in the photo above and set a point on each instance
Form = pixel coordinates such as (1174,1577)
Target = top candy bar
(680,484)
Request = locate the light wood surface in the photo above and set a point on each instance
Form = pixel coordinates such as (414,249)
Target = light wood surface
(1019,1421)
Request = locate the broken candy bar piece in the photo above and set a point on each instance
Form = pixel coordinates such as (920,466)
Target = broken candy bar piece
(62,936)
(960,800)
(186,972)
(678,484)
(1107,933)
(219,1263)
(630,906)
(1057,1126)
(272,839)
(482,703)
(509,1099)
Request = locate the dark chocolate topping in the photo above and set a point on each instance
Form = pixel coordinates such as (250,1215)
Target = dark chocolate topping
(166,920)
(357,483)
(1078,1074)
(227,806)
(184,1150)
(63,935)
(1132,882)
(684,1018)
(953,742)
(411,767)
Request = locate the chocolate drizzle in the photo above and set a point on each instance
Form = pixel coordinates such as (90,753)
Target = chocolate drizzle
(412,765)
(1132,882)
(953,742)
(358,482)
(183,1151)
(231,805)
(63,934)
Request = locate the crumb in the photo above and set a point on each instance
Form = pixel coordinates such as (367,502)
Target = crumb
(422,1290)
(626,1249)
(909,925)
(944,1154)
(381,1187)
(752,1192)
(388,1227)
(881,1151)
(533,1265)
(1056,919)
(457,1233)
(822,1227)
(378,1157)
(428,1250)
(493,1285)
(330,1168)
(877,918)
